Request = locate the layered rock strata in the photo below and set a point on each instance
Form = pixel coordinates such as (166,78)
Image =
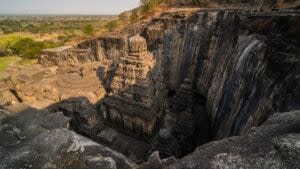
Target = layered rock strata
(66,54)
(250,4)
(236,68)
(40,87)
(108,50)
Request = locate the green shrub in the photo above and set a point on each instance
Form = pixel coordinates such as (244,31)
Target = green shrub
(27,48)
(64,38)
(7,41)
(149,6)
(88,29)
(33,29)
(123,17)
(50,44)
(134,16)
(6,30)
(112,25)
(67,36)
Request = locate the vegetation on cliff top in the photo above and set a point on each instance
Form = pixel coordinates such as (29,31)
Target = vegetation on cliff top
(146,9)
(24,46)
(25,37)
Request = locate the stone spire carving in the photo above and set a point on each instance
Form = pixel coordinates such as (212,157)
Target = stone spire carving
(134,100)
(137,44)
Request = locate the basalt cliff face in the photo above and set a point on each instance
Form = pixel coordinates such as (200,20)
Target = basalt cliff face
(234,60)
(250,4)
(230,77)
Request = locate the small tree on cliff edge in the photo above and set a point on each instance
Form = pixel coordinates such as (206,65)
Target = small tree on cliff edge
(149,5)
(143,2)
(134,16)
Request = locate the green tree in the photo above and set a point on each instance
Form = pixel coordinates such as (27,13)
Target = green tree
(149,5)
(111,25)
(6,30)
(28,48)
(134,16)
(88,29)
(123,17)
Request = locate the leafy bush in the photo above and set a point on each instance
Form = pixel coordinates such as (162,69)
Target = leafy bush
(6,30)
(88,29)
(27,48)
(123,17)
(7,40)
(149,6)
(64,38)
(112,25)
(67,36)
(48,25)
(134,16)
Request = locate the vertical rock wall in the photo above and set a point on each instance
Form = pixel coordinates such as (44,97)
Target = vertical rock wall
(234,60)
(249,4)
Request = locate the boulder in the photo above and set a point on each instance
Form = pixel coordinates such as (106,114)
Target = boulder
(41,140)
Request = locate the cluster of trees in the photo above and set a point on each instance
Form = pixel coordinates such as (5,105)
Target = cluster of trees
(11,25)
(8,26)
(24,47)
(28,48)
(69,34)
(112,25)
(147,6)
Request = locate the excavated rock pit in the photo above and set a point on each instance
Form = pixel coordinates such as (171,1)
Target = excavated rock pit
(186,79)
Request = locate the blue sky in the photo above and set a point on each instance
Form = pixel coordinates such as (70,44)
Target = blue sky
(66,6)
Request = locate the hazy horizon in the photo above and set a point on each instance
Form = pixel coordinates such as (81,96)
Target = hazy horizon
(66,7)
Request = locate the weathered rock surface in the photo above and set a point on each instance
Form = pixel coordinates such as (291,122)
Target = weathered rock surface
(275,144)
(40,87)
(250,4)
(66,55)
(236,68)
(85,119)
(40,139)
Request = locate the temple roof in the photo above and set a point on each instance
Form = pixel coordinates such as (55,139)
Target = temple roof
(137,44)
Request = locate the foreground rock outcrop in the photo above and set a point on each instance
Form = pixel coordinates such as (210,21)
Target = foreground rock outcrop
(36,139)
(275,144)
